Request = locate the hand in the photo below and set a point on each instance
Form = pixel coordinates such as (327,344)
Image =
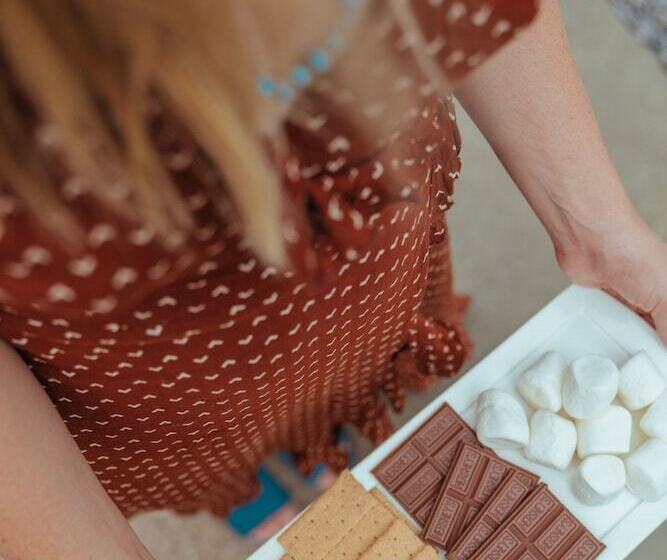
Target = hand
(531,106)
(629,264)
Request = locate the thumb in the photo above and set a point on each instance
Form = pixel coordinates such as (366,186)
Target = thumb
(660,319)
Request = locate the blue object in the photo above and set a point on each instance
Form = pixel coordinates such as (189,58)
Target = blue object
(272,497)
(301,75)
(320,60)
(266,86)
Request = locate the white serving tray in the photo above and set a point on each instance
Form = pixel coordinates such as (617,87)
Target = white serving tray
(579,321)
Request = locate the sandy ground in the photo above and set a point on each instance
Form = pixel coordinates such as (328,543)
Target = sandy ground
(502,255)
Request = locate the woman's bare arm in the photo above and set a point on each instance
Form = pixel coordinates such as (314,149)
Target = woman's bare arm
(51,504)
(529,103)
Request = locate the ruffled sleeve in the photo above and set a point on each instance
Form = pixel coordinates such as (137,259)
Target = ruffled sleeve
(461,34)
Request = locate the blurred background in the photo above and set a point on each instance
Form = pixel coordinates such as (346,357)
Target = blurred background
(491,226)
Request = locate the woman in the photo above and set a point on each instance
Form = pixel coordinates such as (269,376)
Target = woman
(184,328)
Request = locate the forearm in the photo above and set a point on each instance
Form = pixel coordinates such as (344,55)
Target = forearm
(529,103)
(51,504)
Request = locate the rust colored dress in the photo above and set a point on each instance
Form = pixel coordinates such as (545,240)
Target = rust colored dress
(177,371)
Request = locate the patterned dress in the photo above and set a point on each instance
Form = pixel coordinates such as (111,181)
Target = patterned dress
(177,369)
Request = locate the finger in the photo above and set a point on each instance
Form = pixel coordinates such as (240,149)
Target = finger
(660,319)
(643,314)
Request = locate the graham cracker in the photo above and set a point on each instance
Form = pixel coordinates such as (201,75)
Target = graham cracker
(370,527)
(398,542)
(426,553)
(333,515)
(378,495)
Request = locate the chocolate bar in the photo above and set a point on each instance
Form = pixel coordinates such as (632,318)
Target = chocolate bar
(414,472)
(511,492)
(541,528)
(474,476)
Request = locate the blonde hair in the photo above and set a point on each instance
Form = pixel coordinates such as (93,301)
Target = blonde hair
(89,68)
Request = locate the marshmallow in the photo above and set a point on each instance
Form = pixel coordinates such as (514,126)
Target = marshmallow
(589,386)
(552,440)
(499,399)
(654,421)
(501,420)
(609,433)
(542,383)
(640,382)
(647,472)
(599,479)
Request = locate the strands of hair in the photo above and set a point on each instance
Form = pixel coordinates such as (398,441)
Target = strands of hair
(91,69)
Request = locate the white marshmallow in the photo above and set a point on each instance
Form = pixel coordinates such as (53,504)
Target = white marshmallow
(654,421)
(599,479)
(646,468)
(542,383)
(640,382)
(610,433)
(501,420)
(589,386)
(552,440)
(499,399)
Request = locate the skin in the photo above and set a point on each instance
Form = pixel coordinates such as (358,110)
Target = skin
(547,138)
(52,505)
